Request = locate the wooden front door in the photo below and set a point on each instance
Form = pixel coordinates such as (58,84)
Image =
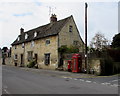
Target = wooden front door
(36,57)
(22,60)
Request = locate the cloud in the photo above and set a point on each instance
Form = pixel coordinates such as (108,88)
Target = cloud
(23,14)
(101,17)
(38,3)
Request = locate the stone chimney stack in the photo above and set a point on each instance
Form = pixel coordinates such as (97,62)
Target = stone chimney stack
(53,18)
(21,31)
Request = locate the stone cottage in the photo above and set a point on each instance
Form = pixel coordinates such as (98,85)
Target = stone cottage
(42,43)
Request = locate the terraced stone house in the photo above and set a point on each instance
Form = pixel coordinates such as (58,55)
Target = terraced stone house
(42,43)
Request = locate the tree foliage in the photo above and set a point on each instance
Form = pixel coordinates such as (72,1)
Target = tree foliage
(116,41)
(98,41)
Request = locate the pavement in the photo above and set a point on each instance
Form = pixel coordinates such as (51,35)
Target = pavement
(21,80)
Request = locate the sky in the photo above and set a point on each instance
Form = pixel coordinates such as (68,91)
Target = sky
(29,14)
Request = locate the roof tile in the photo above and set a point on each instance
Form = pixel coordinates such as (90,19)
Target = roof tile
(42,31)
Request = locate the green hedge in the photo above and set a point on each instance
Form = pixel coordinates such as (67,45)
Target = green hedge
(107,67)
(116,67)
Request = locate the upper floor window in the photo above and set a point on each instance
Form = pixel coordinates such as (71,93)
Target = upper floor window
(23,45)
(70,28)
(18,38)
(15,47)
(35,34)
(75,43)
(15,57)
(26,36)
(47,41)
(32,43)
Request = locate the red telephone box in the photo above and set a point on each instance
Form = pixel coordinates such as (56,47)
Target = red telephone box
(76,63)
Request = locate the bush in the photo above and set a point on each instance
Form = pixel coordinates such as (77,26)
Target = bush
(70,49)
(63,49)
(107,66)
(116,67)
(73,49)
(31,64)
(36,66)
(115,54)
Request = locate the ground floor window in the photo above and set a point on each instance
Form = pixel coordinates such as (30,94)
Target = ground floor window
(47,59)
(15,57)
(30,55)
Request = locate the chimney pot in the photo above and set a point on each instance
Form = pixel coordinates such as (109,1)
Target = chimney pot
(53,18)
(21,31)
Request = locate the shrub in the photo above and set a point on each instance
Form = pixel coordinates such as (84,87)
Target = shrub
(31,64)
(36,66)
(116,67)
(63,49)
(70,49)
(115,54)
(106,66)
(73,49)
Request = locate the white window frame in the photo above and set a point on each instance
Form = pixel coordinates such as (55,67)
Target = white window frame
(23,45)
(18,38)
(26,36)
(35,34)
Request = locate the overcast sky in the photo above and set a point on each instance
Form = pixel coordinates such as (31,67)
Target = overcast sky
(29,14)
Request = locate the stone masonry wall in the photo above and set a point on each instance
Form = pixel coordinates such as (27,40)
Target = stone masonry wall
(94,64)
(67,38)
(40,48)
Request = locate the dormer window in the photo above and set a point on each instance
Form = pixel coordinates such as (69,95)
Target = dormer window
(23,45)
(18,38)
(35,34)
(26,36)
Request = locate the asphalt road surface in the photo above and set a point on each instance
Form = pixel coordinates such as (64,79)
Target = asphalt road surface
(19,80)
(0,80)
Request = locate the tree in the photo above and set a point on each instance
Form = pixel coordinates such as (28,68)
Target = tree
(98,41)
(116,41)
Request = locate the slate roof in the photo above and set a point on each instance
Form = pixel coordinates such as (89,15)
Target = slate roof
(50,29)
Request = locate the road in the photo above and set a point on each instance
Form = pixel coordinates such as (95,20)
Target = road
(19,80)
(0,80)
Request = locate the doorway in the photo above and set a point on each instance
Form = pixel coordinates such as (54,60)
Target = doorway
(36,57)
(22,61)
